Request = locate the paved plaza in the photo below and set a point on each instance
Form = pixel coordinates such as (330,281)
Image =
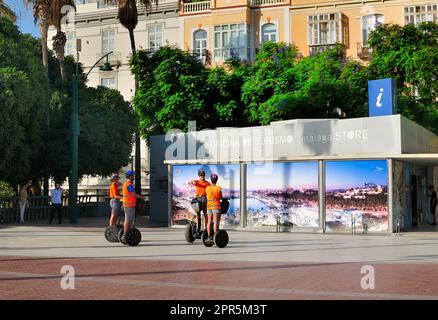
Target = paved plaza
(255,265)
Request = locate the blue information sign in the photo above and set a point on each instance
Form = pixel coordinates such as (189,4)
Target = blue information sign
(382,97)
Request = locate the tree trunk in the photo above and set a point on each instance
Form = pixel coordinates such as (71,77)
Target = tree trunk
(137,133)
(44,29)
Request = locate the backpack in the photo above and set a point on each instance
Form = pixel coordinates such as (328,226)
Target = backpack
(225,205)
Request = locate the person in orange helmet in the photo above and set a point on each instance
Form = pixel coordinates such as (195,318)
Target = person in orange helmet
(200,186)
(214,196)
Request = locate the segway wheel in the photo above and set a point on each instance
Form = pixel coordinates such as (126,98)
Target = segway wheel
(207,242)
(133,237)
(221,239)
(188,233)
(120,234)
(111,234)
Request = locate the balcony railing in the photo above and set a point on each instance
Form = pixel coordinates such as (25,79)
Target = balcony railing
(204,58)
(115,59)
(196,7)
(259,3)
(319,48)
(363,51)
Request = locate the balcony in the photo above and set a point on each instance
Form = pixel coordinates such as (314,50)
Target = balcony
(363,51)
(196,7)
(319,48)
(204,58)
(262,3)
(115,59)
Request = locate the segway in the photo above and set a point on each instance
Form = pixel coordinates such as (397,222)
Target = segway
(190,231)
(133,235)
(111,232)
(220,239)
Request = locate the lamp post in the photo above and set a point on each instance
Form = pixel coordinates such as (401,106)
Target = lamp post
(74,134)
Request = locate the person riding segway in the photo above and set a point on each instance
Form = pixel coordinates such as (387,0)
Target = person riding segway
(193,229)
(129,234)
(111,232)
(216,206)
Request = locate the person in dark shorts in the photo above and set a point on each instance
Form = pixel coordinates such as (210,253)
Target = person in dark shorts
(433,204)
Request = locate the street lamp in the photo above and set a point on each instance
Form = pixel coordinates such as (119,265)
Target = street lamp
(74,133)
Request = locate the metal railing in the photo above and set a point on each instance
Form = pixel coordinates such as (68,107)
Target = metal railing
(204,58)
(315,49)
(259,3)
(114,59)
(196,7)
(39,207)
(363,51)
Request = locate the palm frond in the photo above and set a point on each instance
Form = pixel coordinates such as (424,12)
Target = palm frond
(6,11)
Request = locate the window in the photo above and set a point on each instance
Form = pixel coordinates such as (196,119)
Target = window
(108,41)
(108,82)
(155,37)
(325,29)
(231,40)
(369,24)
(269,32)
(105,4)
(200,44)
(423,13)
(69,48)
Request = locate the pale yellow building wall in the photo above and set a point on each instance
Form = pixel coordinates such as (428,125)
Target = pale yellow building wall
(261,17)
(352,10)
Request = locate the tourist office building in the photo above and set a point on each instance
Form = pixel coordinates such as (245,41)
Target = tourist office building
(364,175)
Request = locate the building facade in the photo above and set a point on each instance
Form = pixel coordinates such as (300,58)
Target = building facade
(219,29)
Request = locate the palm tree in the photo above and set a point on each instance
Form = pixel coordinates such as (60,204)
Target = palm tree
(60,38)
(7,12)
(48,12)
(41,13)
(128,17)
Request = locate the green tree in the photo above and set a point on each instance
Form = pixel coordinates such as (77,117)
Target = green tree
(24,99)
(409,54)
(170,90)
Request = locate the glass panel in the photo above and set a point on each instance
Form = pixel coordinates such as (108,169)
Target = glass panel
(217,38)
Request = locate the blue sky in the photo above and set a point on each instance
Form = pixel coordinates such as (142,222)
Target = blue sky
(24,17)
(348,174)
(284,175)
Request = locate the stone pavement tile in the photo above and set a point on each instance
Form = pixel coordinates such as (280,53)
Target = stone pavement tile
(239,279)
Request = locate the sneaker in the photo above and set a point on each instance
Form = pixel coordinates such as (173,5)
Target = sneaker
(123,238)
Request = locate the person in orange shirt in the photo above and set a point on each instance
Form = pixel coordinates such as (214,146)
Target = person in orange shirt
(200,186)
(214,196)
(114,193)
(129,201)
